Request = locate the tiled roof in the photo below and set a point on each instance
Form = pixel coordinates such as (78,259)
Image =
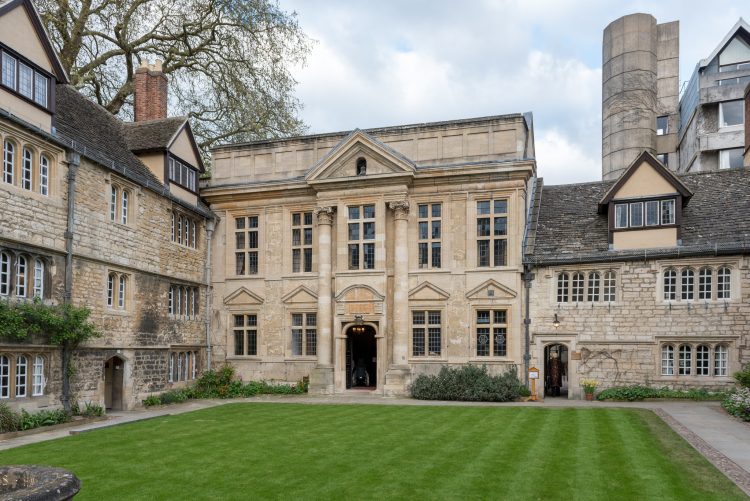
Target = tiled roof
(152,135)
(569,229)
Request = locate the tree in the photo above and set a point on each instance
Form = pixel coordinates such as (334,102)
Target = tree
(228,61)
(64,325)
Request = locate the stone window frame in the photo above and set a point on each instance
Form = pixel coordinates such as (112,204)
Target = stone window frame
(681,369)
(475,326)
(121,207)
(430,241)
(183,301)
(35,280)
(699,270)
(118,291)
(9,375)
(246,250)
(565,276)
(361,241)
(245,331)
(492,237)
(425,327)
(302,247)
(184,230)
(182,365)
(305,329)
(13,172)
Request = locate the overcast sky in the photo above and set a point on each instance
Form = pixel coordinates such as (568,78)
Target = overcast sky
(378,63)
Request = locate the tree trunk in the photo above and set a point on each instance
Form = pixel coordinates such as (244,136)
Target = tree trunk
(67,353)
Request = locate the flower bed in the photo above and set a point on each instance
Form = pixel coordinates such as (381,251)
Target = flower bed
(738,403)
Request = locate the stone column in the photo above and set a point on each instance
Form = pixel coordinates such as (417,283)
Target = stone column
(321,380)
(398,373)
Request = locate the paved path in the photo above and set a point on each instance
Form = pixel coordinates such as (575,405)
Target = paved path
(722,439)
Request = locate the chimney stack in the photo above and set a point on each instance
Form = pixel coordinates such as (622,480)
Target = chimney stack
(150,92)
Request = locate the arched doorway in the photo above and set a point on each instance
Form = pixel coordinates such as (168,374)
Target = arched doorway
(361,358)
(556,370)
(113,377)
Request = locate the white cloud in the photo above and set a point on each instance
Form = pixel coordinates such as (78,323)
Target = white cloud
(561,161)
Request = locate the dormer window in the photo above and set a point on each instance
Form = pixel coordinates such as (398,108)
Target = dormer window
(361,166)
(182,174)
(24,79)
(648,213)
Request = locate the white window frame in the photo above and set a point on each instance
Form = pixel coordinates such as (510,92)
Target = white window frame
(22,376)
(667,360)
(721,113)
(25,73)
(670,204)
(38,379)
(669,284)
(27,169)
(38,278)
(725,160)
(22,272)
(44,175)
(5,267)
(5,376)
(721,359)
(9,161)
(619,209)
(724,283)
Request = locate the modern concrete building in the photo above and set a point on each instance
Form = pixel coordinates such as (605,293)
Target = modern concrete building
(702,131)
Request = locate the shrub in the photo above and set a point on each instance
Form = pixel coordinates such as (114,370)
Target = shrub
(152,400)
(173,397)
(467,383)
(743,377)
(91,409)
(43,418)
(737,403)
(637,392)
(10,420)
(523,391)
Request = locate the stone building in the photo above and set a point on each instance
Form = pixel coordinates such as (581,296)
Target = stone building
(643,280)
(102,214)
(363,258)
(691,128)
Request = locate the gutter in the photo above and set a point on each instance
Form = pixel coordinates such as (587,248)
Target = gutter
(73,160)
(210,226)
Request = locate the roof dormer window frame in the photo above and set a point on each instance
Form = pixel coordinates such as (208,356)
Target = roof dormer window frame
(623,210)
(181,173)
(43,100)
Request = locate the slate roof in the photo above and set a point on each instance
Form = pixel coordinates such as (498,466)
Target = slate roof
(567,228)
(95,133)
(152,135)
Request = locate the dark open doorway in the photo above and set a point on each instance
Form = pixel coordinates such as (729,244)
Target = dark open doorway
(361,357)
(113,377)
(556,370)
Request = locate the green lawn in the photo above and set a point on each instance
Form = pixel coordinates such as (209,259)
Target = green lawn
(352,452)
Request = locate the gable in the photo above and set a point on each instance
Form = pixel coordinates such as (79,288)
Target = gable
(427,292)
(243,297)
(736,51)
(645,181)
(491,289)
(22,31)
(341,161)
(300,295)
(183,146)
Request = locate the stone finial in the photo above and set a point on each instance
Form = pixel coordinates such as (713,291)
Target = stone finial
(324,214)
(400,208)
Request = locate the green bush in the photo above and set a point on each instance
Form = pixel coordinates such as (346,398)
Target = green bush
(467,383)
(91,409)
(737,403)
(43,418)
(637,392)
(523,391)
(743,377)
(152,400)
(10,420)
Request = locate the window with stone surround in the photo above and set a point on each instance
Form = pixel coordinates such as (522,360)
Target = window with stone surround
(22,275)
(713,283)
(426,330)
(184,230)
(27,169)
(246,244)
(361,237)
(708,359)
(44,175)
(302,241)
(9,160)
(18,166)
(183,301)
(492,233)
(22,375)
(245,330)
(117,290)
(430,235)
(183,366)
(304,334)
(581,286)
(119,204)
(491,333)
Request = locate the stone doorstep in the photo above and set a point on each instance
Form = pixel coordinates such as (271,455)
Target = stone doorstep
(54,427)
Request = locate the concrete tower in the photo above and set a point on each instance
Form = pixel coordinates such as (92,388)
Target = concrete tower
(639,84)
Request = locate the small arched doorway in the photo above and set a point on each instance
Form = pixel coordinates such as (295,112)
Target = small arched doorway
(556,370)
(361,358)
(113,378)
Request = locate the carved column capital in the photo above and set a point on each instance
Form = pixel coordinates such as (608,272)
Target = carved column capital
(400,208)
(324,214)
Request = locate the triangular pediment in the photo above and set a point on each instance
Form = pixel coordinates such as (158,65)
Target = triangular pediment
(243,297)
(427,292)
(491,289)
(300,295)
(341,162)
(19,22)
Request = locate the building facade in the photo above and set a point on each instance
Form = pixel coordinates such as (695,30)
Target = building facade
(102,214)
(363,259)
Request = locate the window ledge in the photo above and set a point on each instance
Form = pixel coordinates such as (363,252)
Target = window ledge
(504,360)
(245,358)
(246,277)
(118,312)
(417,271)
(301,359)
(360,272)
(298,276)
(428,360)
(492,269)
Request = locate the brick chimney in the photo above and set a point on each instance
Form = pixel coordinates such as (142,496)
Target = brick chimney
(150,92)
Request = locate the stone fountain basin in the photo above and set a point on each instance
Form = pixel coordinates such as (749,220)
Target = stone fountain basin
(37,483)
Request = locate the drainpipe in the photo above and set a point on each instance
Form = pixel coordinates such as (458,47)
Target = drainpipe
(73,159)
(527,278)
(210,226)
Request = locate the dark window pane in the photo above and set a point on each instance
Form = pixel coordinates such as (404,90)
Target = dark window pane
(423,250)
(308,260)
(239,320)
(308,218)
(252,320)
(423,211)
(417,317)
(436,229)
(500,316)
(433,341)
(252,222)
(501,206)
(483,253)
(312,319)
(436,255)
(369,231)
(252,342)
(423,230)
(297,319)
(433,317)
(483,207)
(239,268)
(353,231)
(483,317)
(417,349)
(353,256)
(252,239)
(353,212)
(369,256)
(483,227)
(501,226)
(252,263)
(483,342)
(239,240)
(312,342)
(295,260)
(368,211)
(295,219)
(239,223)
(297,342)
(295,237)
(239,342)
(499,348)
(436,210)
(501,252)
(308,236)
